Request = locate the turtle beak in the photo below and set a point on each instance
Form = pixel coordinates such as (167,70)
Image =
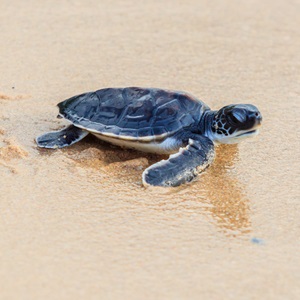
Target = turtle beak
(256,120)
(257,117)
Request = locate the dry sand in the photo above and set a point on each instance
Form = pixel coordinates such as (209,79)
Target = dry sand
(77,224)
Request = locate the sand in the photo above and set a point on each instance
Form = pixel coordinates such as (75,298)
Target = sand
(76,223)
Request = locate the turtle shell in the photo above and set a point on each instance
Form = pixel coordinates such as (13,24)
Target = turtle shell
(133,113)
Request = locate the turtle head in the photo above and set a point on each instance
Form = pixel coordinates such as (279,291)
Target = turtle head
(235,122)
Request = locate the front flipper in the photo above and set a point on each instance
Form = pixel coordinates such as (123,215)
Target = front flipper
(62,138)
(183,166)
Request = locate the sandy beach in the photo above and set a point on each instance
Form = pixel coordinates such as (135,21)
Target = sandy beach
(77,223)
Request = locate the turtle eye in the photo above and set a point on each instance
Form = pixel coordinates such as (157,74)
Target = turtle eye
(233,119)
(237,116)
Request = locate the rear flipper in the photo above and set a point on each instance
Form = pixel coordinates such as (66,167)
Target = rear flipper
(62,138)
(183,166)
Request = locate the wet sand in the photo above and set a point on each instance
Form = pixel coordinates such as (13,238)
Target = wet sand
(77,224)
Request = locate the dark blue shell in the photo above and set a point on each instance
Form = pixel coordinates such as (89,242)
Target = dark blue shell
(133,113)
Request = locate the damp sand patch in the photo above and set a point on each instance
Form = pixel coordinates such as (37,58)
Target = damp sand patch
(137,164)
(130,169)
(91,157)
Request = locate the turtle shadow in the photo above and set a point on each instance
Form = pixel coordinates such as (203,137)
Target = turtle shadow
(109,153)
(217,192)
(97,154)
(223,194)
(230,205)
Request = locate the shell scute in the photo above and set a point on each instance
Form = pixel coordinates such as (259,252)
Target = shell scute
(144,110)
(186,119)
(135,93)
(172,126)
(168,110)
(146,131)
(159,130)
(129,132)
(163,96)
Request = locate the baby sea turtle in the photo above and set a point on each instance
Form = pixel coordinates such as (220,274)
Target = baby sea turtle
(157,121)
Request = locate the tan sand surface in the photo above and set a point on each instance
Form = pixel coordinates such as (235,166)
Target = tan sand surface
(76,223)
